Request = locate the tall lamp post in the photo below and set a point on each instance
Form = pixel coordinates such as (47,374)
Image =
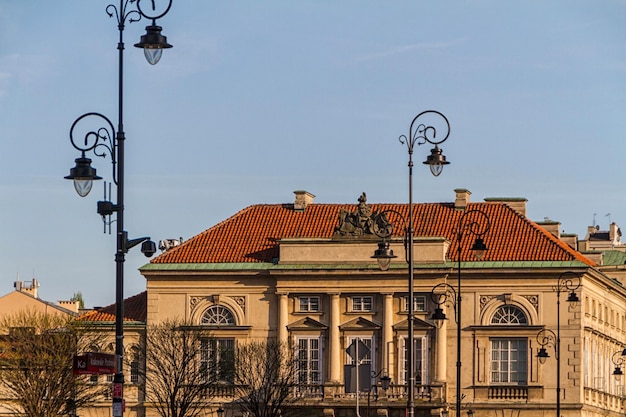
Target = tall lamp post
(473,222)
(568,281)
(420,132)
(104,140)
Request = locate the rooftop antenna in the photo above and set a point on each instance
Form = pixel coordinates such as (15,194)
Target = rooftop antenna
(594,219)
(609,216)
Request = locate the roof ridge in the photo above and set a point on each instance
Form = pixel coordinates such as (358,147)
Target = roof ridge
(567,248)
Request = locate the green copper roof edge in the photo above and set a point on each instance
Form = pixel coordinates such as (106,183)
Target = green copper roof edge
(263,266)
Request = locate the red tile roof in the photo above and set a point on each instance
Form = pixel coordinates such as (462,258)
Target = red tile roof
(135,309)
(252,234)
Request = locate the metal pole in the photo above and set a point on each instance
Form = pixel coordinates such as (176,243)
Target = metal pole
(411,350)
(118,379)
(558,351)
(458,328)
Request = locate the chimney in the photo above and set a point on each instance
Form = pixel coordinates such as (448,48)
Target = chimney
(615,234)
(70,305)
(551,226)
(27,289)
(462,198)
(303,199)
(518,204)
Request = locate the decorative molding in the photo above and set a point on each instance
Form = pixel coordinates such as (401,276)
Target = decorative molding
(484,299)
(508,299)
(534,300)
(241,301)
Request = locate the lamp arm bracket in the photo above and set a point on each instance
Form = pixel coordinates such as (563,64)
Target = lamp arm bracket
(131,243)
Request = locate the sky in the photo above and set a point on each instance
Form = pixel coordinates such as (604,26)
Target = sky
(257,99)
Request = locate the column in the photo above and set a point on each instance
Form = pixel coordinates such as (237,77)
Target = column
(387,332)
(283,317)
(335,345)
(442,342)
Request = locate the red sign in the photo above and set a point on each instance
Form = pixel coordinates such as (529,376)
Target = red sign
(95,363)
(118,390)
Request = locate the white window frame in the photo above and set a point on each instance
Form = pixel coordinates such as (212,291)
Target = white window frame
(422,349)
(503,353)
(359,303)
(309,306)
(419,303)
(211,350)
(313,359)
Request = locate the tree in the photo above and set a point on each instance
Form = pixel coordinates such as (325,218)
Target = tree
(36,364)
(178,380)
(265,378)
(78,296)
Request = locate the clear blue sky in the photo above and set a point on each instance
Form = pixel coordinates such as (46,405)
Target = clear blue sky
(261,98)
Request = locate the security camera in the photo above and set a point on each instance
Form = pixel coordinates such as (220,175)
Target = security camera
(148,248)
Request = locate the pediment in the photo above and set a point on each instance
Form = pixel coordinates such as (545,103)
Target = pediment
(418,324)
(360,323)
(307,323)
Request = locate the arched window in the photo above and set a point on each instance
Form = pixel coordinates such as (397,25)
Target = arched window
(218,316)
(509,315)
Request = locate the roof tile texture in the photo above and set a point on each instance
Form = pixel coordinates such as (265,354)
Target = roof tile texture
(135,309)
(252,234)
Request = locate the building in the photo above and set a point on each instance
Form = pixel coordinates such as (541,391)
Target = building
(25,299)
(26,296)
(303,272)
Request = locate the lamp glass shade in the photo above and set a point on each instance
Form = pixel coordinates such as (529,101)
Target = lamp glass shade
(436,169)
(383,263)
(83,186)
(153,55)
(542,355)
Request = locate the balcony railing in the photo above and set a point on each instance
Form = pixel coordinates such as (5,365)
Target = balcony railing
(423,393)
(506,392)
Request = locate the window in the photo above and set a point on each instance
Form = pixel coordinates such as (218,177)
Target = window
(509,361)
(309,361)
(217,359)
(218,316)
(134,371)
(420,347)
(419,303)
(93,378)
(509,315)
(362,303)
(309,304)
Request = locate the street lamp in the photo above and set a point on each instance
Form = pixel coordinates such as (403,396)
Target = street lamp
(103,140)
(420,132)
(384,379)
(567,281)
(473,222)
(618,360)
